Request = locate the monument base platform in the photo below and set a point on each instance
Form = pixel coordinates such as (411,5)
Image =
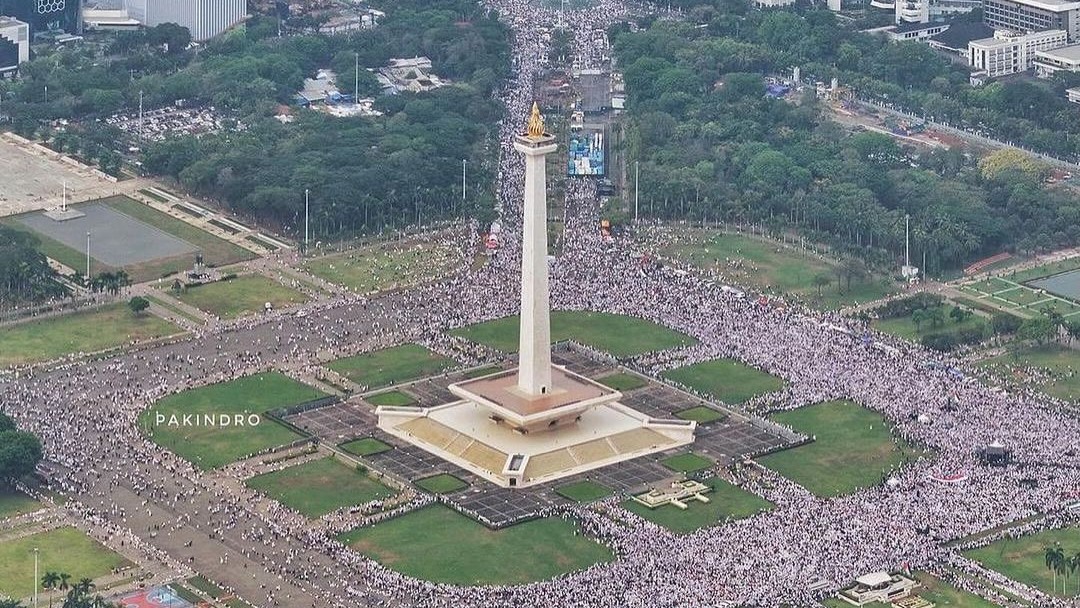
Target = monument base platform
(463,433)
(62,216)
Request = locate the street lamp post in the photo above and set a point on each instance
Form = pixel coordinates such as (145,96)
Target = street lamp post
(637,178)
(306,216)
(88,257)
(463,179)
(36,579)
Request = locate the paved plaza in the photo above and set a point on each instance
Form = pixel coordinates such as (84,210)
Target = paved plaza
(34,179)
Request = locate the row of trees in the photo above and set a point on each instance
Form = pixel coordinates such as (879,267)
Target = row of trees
(25,274)
(713,146)
(20,452)
(1062,564)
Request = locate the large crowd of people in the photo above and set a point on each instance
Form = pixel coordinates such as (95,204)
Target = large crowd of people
(87,416)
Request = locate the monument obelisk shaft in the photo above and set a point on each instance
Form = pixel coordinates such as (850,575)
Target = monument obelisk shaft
(534,345)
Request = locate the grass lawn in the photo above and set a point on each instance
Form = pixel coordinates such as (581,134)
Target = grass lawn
(687,463)
(904,327)
(768,264)
(384,266)
(934,590)
(623,381)
(209,447)
(391,365)
(726,502)
(61,550)
(240,296)
(482,371)
(583,491)
(701,414)
(1021,296)
(13,502)
(208,587)
(1023,559)
(442,483)
(619,335)
(1063,364)
(84,331)
(365,447)
(395,398)
(318,487)
(464,552)
(728,380)
(853,448)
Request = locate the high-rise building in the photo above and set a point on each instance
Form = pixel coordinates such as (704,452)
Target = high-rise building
(45,15)
(1011,52)
(14,44)
(203,18)
(931,11)
(1033,16)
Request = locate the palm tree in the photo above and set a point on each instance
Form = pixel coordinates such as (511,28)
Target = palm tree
(11,604)
(85,585)
(1052,558)
(64,578)
(49,582)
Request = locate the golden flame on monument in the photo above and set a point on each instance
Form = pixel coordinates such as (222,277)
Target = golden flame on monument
(536,123)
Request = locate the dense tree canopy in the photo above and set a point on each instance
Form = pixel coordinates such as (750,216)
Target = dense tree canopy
(713,146)
(25,274)
(20,451)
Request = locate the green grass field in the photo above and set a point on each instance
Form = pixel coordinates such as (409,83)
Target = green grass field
(61,550)
(391,365)
(392,398)
(318,487)
(904,327)
(853,448)
(935,590)
(728,380)
(13,503)
(482,371)
(583,491)
(211,447)
(240,296)
(385,266)
(207,586)
(701,414)
(768,264)
(619,335)
(464,552)
(726,502)
(442,483)
(85,331)
(367,446)
(686,463)
(1062,363)
(1023,559)
(623,381)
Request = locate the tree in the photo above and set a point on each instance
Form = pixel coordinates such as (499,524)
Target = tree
(20,452)
(959,314)
(1037,329)
(919,317)
(822,280)
(49,582)
(138,304)
(936,317)
(1053,556)
(1003,323)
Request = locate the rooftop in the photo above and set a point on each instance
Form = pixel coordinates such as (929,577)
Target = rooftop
(961,33)
(1051,5)
(1065,53)
(500,390)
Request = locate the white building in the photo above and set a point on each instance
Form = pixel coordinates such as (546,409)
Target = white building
(1074,96)
(204,18)
(878,587)
(14,44)
(1064,59)
(1011,52)
(929,11)
(1033,15)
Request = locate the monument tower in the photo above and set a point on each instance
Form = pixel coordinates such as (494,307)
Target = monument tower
(539,421)
(534,343)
